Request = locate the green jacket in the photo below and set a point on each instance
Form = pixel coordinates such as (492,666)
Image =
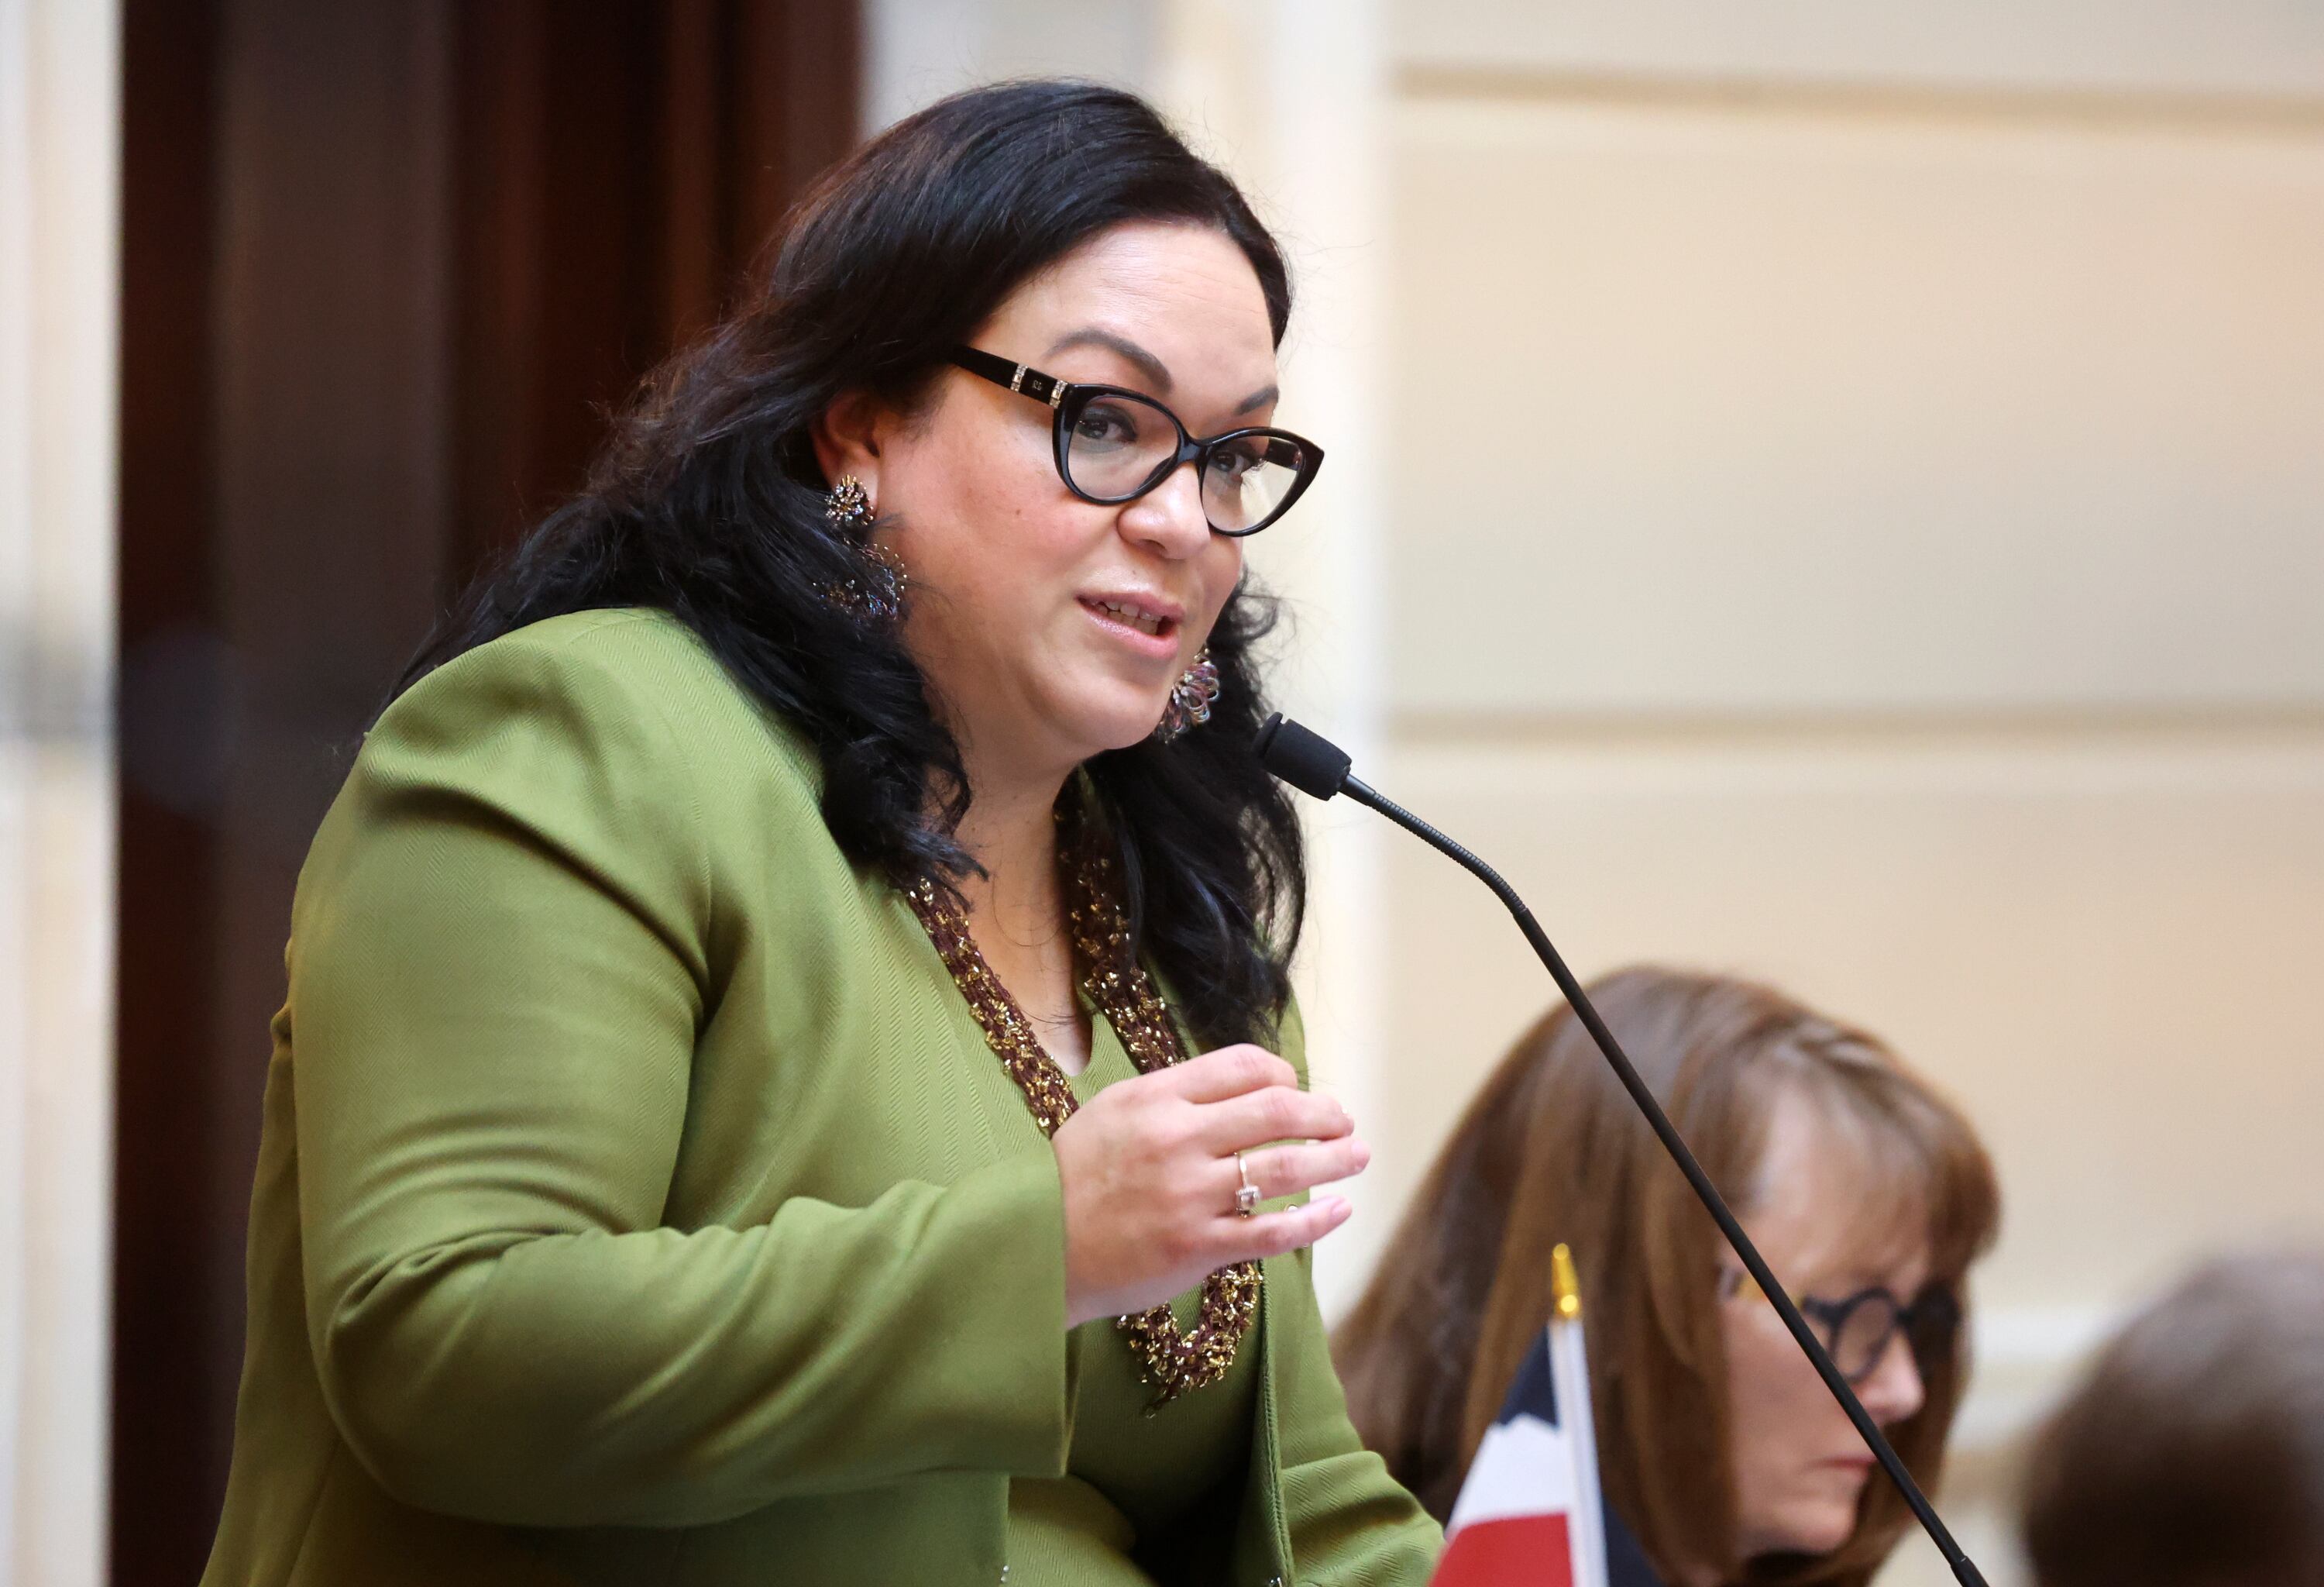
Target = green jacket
(638,1202)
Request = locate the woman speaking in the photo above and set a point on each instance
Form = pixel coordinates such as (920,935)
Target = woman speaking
(781,1076)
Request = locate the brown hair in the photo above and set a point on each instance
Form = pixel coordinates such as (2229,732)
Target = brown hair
(2192,1456)
(1551,1151)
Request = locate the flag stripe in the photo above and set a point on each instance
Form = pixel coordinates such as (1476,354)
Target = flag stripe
(1521,1551)
(1522,1468)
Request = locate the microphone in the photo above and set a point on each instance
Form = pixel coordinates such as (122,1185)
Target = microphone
(1320,769)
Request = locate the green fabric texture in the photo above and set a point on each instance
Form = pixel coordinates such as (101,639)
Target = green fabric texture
(1126,1474)
(639,1202)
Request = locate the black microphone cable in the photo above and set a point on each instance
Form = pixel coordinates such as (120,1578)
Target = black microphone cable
(1320,769)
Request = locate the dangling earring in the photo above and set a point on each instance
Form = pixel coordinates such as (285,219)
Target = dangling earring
(1191,698)
(876,594)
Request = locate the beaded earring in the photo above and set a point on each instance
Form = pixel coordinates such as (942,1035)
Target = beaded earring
(1191,699)
(877,594)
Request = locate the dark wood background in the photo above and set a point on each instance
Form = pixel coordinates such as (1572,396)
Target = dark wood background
(384,264)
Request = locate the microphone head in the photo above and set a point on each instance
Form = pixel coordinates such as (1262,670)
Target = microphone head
(1308,762)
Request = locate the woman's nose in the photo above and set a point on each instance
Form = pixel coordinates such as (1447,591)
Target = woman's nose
(1169,518)
(1895,1390)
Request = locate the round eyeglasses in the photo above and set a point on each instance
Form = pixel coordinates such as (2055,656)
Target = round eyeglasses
(1114,445)
(1857,1332)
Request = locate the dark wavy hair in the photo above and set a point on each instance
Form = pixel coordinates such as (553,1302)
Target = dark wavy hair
(707,502)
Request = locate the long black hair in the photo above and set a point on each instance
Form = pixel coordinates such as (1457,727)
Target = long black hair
(707,502)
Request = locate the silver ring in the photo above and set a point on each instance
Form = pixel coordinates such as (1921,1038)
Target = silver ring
(1246,1198)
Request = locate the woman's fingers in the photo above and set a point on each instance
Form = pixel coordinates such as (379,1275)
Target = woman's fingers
(1287,1170)
(1150,1177)
(1247,1096)
(1229,1071)
(1274,1112)
(1271,1234)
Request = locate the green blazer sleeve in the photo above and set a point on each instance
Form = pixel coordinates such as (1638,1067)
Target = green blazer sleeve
(507,937)
(1350,1523)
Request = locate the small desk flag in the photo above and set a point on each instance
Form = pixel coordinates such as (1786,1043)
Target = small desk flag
(1530,1514)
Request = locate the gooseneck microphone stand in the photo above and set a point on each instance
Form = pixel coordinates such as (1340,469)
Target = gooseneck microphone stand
(1320,769)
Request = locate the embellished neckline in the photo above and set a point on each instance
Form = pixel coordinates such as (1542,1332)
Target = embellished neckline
(1171,1359)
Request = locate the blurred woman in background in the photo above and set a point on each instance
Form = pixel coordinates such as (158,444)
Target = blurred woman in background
(1867,1192)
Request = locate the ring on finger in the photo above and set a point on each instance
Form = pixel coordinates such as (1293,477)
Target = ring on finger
(1247,1198)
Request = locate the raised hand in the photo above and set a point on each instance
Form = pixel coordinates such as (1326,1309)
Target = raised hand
(1150,1175)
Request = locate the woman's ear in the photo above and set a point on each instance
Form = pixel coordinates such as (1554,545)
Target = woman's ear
(847,441)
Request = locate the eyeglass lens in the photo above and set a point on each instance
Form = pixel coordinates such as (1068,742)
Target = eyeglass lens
(1121,446)
(1863,1331)
(1862,1335)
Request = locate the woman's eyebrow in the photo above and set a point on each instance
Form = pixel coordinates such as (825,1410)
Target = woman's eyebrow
(1145,363)
(1129,351)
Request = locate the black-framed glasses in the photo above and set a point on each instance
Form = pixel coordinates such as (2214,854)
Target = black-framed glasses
(1114,445)
(1857,1330)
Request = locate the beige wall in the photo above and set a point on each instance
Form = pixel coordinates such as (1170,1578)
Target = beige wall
(59,156)
(1857,518)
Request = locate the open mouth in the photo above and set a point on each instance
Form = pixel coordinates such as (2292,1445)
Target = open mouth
(1131,615)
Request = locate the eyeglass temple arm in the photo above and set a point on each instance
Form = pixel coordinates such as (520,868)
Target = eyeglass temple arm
(1021,378)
